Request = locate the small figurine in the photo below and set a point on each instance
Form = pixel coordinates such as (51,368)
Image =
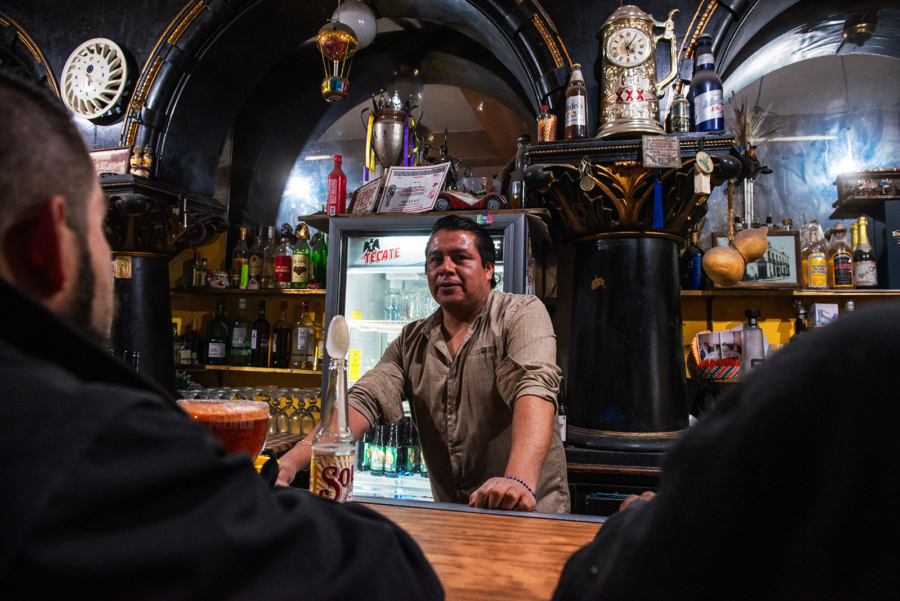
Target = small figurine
(135,161)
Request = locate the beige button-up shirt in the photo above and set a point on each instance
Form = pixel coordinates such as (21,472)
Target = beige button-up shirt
(463,406)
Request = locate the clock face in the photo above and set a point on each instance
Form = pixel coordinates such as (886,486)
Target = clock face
(94,80)
(628,47)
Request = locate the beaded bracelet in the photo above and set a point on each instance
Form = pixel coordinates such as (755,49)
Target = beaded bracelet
(522,482)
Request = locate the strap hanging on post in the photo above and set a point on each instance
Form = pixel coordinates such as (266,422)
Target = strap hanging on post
(657,201)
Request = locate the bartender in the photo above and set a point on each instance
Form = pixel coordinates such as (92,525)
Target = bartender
(481,377)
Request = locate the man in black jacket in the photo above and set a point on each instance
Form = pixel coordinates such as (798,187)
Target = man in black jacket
(787,490)
(109,490)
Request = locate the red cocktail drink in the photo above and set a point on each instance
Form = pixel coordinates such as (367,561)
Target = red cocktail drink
(240,425)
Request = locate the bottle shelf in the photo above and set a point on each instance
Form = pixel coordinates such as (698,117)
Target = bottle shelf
(259,370)
(206,290)
(793,292)
(377,326)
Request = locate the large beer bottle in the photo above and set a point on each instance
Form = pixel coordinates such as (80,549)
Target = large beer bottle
(576,106)
(705,94)
(334,453)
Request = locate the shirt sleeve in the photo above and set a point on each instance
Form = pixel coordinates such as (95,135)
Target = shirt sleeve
(529,367)
(378,395)
(153,509)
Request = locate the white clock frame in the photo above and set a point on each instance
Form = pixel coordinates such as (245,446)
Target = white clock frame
(94,79)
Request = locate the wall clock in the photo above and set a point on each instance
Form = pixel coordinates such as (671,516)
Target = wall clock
(97,81)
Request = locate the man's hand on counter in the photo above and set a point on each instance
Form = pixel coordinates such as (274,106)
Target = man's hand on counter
(631,498)
(503,493)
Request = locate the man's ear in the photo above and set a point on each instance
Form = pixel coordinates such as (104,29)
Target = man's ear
(34,250)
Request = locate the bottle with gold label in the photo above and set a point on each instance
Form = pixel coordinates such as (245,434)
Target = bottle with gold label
(300,262)
(840,259)
(864,272)
(814,263)
(576,106)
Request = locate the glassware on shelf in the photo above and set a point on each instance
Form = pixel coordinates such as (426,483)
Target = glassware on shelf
(307,420)
(275,413)
(294,418)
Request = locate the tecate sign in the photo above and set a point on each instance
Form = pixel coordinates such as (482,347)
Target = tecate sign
(387,251)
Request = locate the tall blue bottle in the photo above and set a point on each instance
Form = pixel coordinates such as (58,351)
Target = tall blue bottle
(707,102)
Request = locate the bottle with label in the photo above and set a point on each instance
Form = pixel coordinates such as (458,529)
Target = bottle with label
(204,272)
(813,260)
(218,337)
(284,256)
(194,343)
(840,259)
(864,271)
(268,271)
(334,454)
(300,260)
(255,262)
(303,351)
(240,262)
(754,345)
(259,339)
(576,106)
(414,455)
(281,340)
(240,336)
(692,275)
(366,459)
(337,189)
(319,260)
(546,125)
(517,177)
(705,94)
(391,447)
(377,462)
(196,278)
(678,121)
(177,343)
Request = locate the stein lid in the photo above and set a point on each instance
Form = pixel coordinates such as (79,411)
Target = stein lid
(628,12)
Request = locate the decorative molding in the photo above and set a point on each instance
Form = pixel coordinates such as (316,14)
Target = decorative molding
(186,22)
(34,49)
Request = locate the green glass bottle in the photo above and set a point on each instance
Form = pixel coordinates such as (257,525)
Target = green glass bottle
(240,336)
(300,263)
(319,260)
(218,337)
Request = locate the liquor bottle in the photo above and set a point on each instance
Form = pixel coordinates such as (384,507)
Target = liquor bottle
(333,451)
(337,189)
(546,125)
(240,257)
(281,340)
(692,275)
(678,121)
(377,463)
(864,259)
(576,106)
(255,262)
(517,177)
(177,343)
(218,337)
(391,446)
(204,272)
(854,235)
(705,94)
(284,255)
(303,331)
(319,259)
(300,260)
(754,347)
(194,343)
(240,336)
(840,259)
(813,260)
(259,339)
(196,277)
(320,344)
(268,274)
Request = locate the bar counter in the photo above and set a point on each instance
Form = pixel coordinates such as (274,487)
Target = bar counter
(482,554)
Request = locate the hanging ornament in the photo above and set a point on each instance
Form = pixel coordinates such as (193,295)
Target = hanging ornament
(337,43)
(359,17)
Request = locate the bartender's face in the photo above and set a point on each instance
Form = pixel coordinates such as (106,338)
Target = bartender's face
(457,279)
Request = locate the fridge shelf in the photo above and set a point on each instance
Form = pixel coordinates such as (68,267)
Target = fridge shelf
(377,326)
(261,370)
(247,292)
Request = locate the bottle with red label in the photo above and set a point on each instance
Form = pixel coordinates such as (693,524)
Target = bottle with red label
(337,189)
(284,256)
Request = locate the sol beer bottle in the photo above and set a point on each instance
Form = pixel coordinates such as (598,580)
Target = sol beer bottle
(334,454)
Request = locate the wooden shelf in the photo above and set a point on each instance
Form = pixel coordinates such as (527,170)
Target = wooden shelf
(261,292)
(258,370)
(793,292)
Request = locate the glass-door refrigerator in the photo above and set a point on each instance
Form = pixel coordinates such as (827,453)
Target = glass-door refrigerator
(376,279)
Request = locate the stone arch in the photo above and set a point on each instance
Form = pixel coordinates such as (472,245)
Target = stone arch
(18,45)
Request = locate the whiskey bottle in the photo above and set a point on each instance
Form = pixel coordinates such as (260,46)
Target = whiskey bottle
(303,350)
(840,259)
(864,271)
(240,262)
(814,262)
(255,262)
(240,336)
(217,337)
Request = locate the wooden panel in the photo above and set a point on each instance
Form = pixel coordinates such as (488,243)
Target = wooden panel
(488,557)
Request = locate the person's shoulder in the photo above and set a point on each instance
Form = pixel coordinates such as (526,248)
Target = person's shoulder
(510,306)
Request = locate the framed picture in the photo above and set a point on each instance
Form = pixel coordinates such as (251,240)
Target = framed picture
(112,160)
(778,268)
(365,197)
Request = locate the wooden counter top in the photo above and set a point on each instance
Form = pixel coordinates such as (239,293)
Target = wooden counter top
(486,555)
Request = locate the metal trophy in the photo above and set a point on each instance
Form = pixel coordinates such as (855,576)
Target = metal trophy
(391,131)
(629,102)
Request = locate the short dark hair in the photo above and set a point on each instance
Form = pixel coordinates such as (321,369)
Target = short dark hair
(42,155)
(483,242)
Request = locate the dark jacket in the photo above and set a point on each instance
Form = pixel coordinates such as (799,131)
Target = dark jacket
(109,491)
(787,490)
